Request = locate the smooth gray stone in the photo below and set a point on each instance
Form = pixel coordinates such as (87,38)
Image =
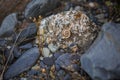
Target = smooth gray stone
(8,25)
(49,61)
(24,63)
(102,60)
(65,62)
(39,7)
(16,52)
(57,54)
(29,32)
(26,46)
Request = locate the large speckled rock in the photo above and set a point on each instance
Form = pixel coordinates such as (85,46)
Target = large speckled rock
(102,60)
(39,7)
(68,29)
(23,63)
(8,25)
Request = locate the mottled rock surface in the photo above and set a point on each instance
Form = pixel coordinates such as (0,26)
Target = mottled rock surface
(65,29)
(102,60)
(23,63)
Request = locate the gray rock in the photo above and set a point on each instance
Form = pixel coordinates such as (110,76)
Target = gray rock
(16,52)
(52,47)
(39,7)
(100,16)
(45,52)
(33,72)
(42,65)
(23,78)
(57,54)
(26,46)
(49,61)
(8,25)
(30,31)
(66,61)
(78,8)
(102,60)
(23,63)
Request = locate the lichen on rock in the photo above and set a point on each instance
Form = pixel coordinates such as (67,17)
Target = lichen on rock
(67,28)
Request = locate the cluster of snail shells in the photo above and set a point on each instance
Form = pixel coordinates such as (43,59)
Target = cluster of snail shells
(66,28)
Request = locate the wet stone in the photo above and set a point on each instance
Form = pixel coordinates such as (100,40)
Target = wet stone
(8,25)
(39,7)
(49,61)
(42,65)
(57,54)
(29,32)
(23,63)
(66,62)
(16,52)
(101,61)
(26,46)
(33,72)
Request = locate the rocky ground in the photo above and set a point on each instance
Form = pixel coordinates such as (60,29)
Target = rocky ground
(20,57)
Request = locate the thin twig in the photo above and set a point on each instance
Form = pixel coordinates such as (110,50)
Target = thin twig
(26,40)
(11,51)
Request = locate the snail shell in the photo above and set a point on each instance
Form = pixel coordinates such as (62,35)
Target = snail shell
(66,34)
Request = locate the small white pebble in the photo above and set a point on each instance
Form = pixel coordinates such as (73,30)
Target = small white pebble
(91,4)
(8,47)
(41,58)
(23,79)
